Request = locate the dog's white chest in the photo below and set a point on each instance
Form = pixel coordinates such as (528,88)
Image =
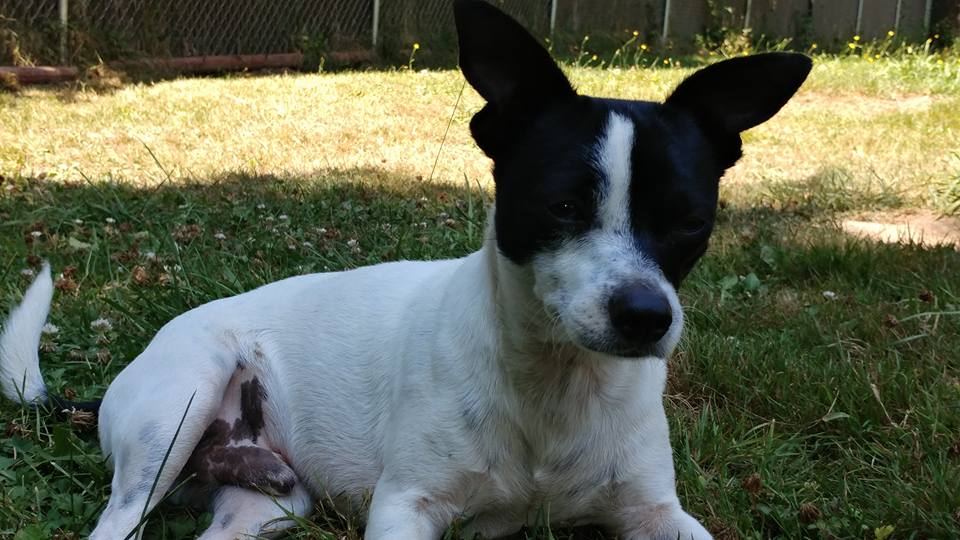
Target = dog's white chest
(565,480)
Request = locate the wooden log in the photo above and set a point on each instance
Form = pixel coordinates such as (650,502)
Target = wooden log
(213,64)
(41,74)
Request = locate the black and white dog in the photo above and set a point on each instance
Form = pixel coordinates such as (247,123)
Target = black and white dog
(527,376)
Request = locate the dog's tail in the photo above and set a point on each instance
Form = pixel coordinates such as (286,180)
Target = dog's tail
(20,377)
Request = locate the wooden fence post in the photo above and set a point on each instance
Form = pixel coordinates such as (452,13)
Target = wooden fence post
(376,23)
(666,21)
(64,21)
(859,17)
(553,17)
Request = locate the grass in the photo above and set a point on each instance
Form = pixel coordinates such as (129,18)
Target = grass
(817,390)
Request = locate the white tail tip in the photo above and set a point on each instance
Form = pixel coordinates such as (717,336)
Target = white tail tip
(20,376)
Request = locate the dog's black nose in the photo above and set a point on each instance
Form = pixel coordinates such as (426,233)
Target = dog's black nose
(640,314)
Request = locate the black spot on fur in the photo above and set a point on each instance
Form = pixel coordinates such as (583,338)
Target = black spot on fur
(216,436)
(215,462)
(250,423)
(250,467)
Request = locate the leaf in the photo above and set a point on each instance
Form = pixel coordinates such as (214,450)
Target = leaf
(30,532)
(61,441)
(769,255)
(77,244)
(751,283)
(883,531)
(728,282)
(829,417)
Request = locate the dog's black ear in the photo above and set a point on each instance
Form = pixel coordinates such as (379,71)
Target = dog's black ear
(501,60)
(508,67)
(737,94)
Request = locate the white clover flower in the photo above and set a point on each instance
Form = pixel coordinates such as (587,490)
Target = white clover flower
(101,325)
(36,234)
(829,295)
(110,220)
(27,272)
(150,256)
(307,244)
(220,236)
(261,206)
(50,329)
(78,221)
(352,242)
(283,217)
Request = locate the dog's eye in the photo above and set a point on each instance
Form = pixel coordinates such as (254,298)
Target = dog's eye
(565,211)
(691,225)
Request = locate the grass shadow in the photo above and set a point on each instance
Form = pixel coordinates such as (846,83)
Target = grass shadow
(776,379)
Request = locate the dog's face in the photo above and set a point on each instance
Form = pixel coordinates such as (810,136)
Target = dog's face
(608,203)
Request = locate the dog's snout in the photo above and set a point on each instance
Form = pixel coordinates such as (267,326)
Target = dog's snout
(640,314)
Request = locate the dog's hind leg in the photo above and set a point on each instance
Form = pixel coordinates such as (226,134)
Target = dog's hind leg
(151,420)
(246,514)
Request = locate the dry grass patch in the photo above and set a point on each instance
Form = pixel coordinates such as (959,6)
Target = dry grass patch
(299,124)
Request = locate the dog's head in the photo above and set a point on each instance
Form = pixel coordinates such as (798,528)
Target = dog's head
(608,203)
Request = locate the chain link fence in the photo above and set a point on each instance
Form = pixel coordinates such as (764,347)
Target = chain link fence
(32,32)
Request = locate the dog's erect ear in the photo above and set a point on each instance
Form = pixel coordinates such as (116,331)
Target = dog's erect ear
(507,66)
(737,94)
(501,60)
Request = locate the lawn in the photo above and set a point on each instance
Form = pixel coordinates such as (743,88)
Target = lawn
(817,390)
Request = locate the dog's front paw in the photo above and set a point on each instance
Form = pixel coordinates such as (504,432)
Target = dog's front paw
(667,523)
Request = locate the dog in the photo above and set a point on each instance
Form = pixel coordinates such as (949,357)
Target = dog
(526,377)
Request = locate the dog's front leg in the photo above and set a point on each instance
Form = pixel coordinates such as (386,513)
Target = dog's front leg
(666,521)
(645,504)
(405,512)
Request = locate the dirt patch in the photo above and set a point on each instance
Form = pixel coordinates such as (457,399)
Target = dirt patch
(918,227)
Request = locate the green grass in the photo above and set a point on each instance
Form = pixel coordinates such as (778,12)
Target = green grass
(794,413)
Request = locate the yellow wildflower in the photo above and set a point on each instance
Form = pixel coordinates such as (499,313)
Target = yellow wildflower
(856,38)
(635,33)
(891,33)
(643,47)
(814,46)
(416,46)
(852,45)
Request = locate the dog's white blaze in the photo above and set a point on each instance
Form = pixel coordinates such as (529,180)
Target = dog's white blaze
(613,159)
